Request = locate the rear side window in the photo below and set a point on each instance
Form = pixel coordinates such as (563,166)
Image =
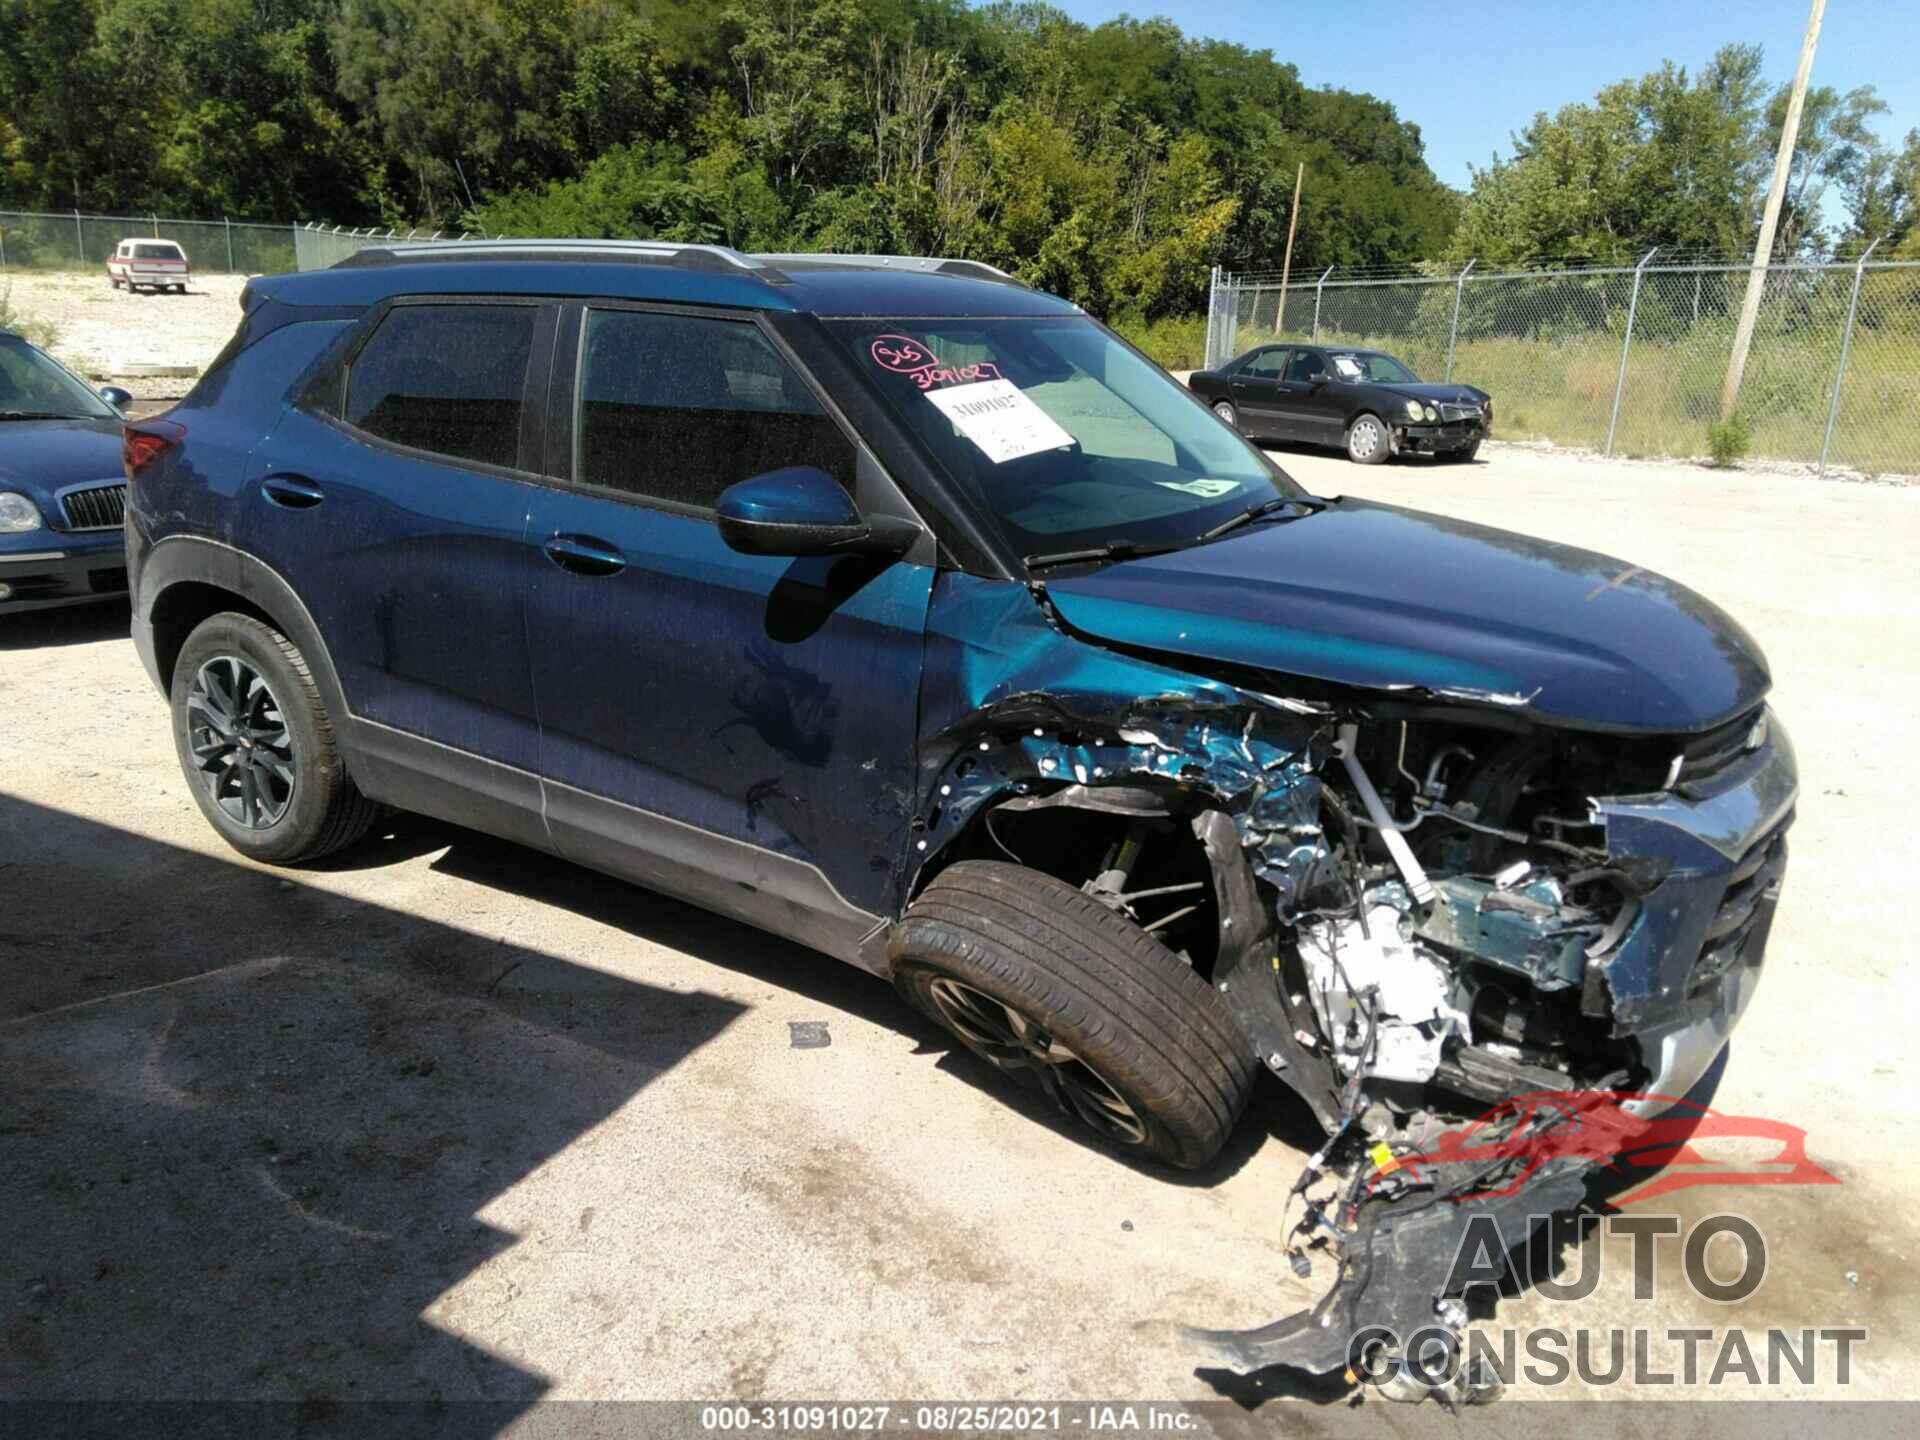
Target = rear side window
(678,407)
(446,378)
(1266,365)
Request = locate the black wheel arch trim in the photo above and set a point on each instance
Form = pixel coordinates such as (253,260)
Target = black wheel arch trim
(177,560)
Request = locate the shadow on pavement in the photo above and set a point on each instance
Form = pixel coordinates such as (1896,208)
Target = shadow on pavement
(248,1127)
(1275,1113)
(69,625)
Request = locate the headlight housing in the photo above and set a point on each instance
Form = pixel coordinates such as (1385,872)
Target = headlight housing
(1413,409)
(18,514)
(1432,414)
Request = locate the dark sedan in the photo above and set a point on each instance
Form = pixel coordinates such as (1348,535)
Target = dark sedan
(62,489)
(1363,400)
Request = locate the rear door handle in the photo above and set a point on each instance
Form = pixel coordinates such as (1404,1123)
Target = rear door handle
(292,492)
(584,555)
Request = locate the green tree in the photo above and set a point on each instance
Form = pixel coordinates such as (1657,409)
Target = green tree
(1883,201)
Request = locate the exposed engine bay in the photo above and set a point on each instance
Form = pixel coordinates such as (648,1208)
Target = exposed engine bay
(1447,942)
(1417,912)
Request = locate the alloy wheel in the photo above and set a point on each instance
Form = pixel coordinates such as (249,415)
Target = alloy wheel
(1225,412)
(1008,1040)
(238,737)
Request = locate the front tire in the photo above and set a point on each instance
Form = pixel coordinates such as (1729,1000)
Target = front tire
(1368,441)
(257,745)
(1463,457)
(1038,978)
(1224,409)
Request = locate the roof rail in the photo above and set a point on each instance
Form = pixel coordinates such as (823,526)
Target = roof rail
(926,264)
(665,252)
(657,252)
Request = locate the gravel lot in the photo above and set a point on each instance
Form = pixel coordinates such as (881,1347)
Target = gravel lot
(443,1118)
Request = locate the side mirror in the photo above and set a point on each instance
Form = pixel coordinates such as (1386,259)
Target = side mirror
(1318,377)
(115,396)
(804,511)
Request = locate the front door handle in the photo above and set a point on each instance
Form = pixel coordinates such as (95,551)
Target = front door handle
(584,555)
(292,492)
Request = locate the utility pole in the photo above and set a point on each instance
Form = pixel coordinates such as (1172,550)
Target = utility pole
(1286,265)
(1776,193)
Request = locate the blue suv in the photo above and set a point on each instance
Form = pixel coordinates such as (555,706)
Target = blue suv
(900,610)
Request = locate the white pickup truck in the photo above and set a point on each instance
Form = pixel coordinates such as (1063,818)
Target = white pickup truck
(152,264)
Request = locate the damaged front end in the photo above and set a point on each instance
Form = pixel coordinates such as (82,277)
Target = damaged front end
(1417,907)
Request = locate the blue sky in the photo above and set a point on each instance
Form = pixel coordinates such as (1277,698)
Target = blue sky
(1470,73)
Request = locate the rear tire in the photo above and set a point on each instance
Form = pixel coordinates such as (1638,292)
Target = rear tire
(1368,441)
(1224,409)
(258,747)
(1036,976)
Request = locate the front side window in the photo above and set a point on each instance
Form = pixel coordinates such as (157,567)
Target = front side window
(445,378)
(679,407)
(1062,433)
(1306,365)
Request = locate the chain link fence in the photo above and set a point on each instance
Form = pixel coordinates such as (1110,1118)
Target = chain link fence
(83,242)
(1630,360)
(73,241)
(318,246)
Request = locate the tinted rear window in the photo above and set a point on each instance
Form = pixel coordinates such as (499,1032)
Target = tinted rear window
(157,252)
(445,378)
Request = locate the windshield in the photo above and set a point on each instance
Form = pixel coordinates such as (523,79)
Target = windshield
(1061,432)
(34,386)
(1372,365)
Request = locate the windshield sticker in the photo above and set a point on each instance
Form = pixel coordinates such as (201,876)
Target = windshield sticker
(1204,488)
(1347,366)
(901,354)
(904,355)
(1000,419)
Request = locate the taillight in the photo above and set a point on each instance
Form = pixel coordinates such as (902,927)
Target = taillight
(141,445)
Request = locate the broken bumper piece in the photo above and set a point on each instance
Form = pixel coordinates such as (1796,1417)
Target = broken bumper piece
(1398,1266)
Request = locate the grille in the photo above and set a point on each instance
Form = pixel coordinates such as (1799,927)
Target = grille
(101,508)
(1754,880)
(1459,412)
(1704,757)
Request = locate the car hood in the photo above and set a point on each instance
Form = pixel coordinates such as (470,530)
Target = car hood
(1436,392)
(39,457)
(1375,596)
